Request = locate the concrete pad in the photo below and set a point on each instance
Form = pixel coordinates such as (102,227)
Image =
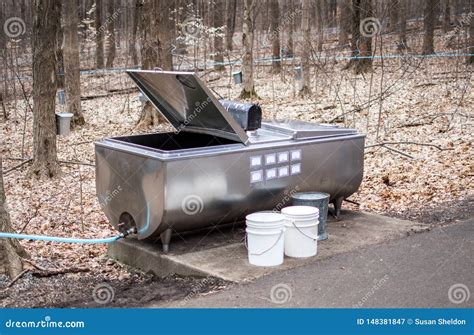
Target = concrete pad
(220,251)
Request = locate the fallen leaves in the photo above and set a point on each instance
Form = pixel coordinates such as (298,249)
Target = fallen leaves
(438,113)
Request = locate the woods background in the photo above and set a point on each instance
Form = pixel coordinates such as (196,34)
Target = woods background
(399,71)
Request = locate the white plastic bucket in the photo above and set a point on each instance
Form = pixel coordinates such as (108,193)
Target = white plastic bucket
(265,238)
(301,234)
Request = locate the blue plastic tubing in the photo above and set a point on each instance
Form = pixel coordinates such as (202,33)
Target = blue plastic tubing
(61,239)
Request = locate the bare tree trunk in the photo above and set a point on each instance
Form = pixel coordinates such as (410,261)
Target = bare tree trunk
(111,34)
(402,29)
(361,44)
(165,26)
(248,89)
(393,11)
(306,49)
(291,27)
(446,16)
(320,19)
(470,59)
(99,37)
(275,35)
(10,250)
(60,54)
(71,61)
(428,24)
(218,39)
(3,52)
(150,50)
(133,43)
(45,25)
(3,40)
(23,41)
(344,19)
(231,9)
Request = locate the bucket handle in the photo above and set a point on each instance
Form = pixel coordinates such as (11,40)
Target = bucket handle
(311,237)
(263,252)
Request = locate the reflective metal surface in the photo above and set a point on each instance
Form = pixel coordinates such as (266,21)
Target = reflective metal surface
(193,188)
(186,102)
(210,171)
(300,129)
(320,200)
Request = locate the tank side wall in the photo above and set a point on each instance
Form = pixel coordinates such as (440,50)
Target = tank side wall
(130,183)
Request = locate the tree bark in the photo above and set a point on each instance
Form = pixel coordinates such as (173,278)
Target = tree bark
(218,38)
(394,14)
(344,19)
(231,9)
(10,250)
(71,61)
(275,35)
(446,16)
(3,37)
(470,59)
(59,53)
(99,37)
(45,25)
(248,90)
(150,54)
(402,22)
(111,34)
(291,27)
(361,45)
(133,43)
(165,26)
(320,21)
(306,49)
(428,26)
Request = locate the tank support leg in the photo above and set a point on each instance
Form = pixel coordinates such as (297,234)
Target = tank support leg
(165,239)
(337,206)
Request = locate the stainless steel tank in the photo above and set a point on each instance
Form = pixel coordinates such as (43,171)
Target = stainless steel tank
(210,170)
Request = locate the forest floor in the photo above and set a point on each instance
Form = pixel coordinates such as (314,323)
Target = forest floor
(421,108)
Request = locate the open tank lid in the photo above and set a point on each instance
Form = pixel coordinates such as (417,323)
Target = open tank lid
(186,102)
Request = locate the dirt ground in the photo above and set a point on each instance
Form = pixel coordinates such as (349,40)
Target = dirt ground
(84,291)
(420,108)
(140,289)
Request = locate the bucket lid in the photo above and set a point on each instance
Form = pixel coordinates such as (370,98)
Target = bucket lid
(265,217)
(65,114)
(186,102)
(310,196)
(300,211)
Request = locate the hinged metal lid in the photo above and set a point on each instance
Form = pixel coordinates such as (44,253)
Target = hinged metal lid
(186,102)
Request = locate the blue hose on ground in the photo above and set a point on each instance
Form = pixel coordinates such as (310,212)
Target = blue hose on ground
(61,239)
